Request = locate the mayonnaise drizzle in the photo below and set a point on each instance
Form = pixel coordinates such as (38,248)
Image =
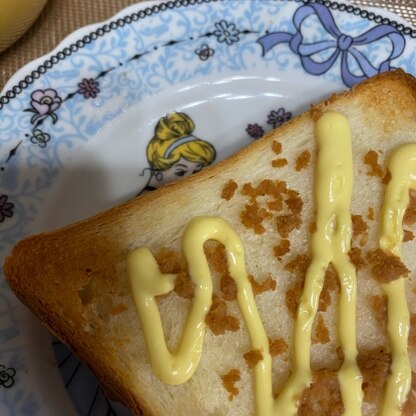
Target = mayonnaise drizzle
(329,244)
(402,167)
(147,282)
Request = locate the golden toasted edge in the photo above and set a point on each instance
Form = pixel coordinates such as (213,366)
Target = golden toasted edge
(15,263)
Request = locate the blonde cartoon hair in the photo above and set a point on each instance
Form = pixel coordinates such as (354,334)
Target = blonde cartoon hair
(173,139)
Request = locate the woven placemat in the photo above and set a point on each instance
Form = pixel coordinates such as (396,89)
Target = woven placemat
(62,17)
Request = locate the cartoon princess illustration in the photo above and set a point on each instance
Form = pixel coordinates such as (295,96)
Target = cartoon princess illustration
(174,151)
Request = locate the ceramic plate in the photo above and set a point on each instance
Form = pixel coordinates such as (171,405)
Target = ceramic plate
(100,119)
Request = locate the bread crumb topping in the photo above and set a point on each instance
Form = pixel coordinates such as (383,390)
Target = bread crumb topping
(277,147)
(379,306)
(277,346)
(280,199)
(323,397)
(386,267)
(229,190)
(267,284)
(410,213)
(356,258)
(302,161)
(331,284)
(282,248)
(408,236)
(359,229)
(374,366)
(279,162)
(252,358)
(229,381)
(218,320)
(374,167)
(320,331)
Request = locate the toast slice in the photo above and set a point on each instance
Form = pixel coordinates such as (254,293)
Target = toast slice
(301,226)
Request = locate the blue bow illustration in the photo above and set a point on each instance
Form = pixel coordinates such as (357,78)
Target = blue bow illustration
(343,45)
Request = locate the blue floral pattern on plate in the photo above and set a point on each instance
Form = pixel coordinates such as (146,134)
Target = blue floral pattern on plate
(56,106)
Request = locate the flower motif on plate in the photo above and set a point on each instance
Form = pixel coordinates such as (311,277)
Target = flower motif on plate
(6,208)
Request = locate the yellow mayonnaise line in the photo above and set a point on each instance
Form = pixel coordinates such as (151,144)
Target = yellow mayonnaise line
(329,244)
(402,167)
(147,282)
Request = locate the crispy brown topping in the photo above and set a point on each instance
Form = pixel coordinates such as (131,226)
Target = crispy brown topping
(359,229)
(294,202)
(408,236)
(218,319)
(386,178)
(271,188)
(410,214)
(277,346)
(280,198)
(252,216)
(356,258)
(267,284)
(216,255)
(374,366)
(374,168)
(303,160)
(169,261)
(379,307)
(292,296)
(276,205)
(320,331)
(299,264)
(277,147)
(252,358)
(370,214)
(117,309)
(331,284)
(228,287)
(323,396)
(386,267)
(281,249)
(279,163)
(340,354)
(287,223)
(183,285)
(217,258)
(249,190)
(229,190)
(229,380)
(313,227)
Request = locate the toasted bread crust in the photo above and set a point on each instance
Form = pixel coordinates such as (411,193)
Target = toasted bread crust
(51,272)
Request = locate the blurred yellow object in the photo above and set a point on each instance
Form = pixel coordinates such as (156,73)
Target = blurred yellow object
(16,16)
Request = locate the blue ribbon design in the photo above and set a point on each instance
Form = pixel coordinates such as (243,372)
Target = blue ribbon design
(343,45)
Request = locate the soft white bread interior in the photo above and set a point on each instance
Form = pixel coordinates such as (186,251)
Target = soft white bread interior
(75,278)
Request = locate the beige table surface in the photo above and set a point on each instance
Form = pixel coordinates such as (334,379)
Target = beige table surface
(62,17)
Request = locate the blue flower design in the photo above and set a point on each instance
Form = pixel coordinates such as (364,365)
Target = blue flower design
(44,104)
(40,138)
(6,211)
(7,376)
(89,88)
(277,118)
(340,45)
(255,131)
(226,32)
(204,52)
